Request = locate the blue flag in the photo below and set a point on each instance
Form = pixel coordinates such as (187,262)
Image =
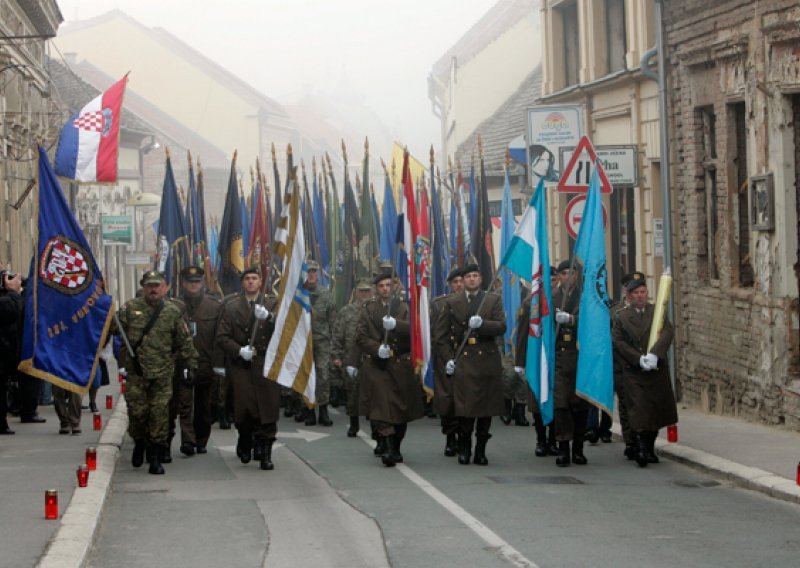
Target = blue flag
(440,257)
(388,222)
(67,308)
(527,256)
(195,223)
(376,218)
(245,226)
(319,228)
(213,243)
(453,230)
(595,378)
(510,283)
(173,246)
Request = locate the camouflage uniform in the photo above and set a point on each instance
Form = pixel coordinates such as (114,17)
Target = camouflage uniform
(323,319)
(149,385)
(344,344)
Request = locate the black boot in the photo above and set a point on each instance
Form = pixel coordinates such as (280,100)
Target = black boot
(166,452)
(552,445)
(335,398)
(224,423)
(244,446)
(577,453)
(154,458)
(563,459)
(651,447)
(450,445)
(630,451)
(311,417)
(480,449)
(266,455)
(464,448)
(541,436)
(641,449)
(324,419)
(139,446)
(388,456)
(352,432)
(380,446)
(301,412)
(519,415)
(399,436)
(506,417)
(187,449)
(258,449)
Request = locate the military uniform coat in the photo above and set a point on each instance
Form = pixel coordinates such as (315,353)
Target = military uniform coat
(648,394)
(564,397)
(477,384)
(254,396)
(202,314)
(443,402)
(389,390)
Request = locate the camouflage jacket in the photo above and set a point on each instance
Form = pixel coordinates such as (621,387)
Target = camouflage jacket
(344,334)
(323,317)
(168,340)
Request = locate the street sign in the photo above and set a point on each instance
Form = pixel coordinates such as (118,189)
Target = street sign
(550,127)
(619,163)
(578,172)
(116,230)
(138,259)
(573,215)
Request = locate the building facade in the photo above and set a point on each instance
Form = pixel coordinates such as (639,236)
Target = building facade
(735,124)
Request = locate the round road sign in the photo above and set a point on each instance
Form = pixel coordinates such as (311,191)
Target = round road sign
(574,213)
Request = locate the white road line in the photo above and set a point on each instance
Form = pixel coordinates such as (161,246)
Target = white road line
(500,546)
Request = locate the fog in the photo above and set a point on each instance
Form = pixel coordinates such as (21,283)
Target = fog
(377,53)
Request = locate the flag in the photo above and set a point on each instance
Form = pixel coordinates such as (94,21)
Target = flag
(349,241)
(258,249)
(595,378)
(376,217)
(482,249)
(245,215)
(67,308)
(230,247)
(454,259)
(319,229)
(388,222)
(421,308)
(528,257)
(201,211)
(464,232)
(440,257)
(88,145)
(290,354)
(510,283)
(213,246)
(368,249)
(195,223)
(172,237)
(335,249)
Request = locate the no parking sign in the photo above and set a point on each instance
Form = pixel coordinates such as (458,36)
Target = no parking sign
(574,214)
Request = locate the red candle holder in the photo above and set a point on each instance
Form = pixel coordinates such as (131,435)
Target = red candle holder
(122,387)
(91,458)
(83,475)
(798,474)
(672,434)
(98,421)
(120,378)
(109,402)
(51,504)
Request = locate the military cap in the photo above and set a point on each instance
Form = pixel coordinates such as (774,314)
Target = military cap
(364,284)
(564,265)
(381,276)
(637,280)
(630,276)
(312,265)
(152,277)
(455,273)
(385,266)
(250,270)
(471,267)
(192,274)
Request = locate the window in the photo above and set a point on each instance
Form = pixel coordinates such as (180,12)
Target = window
(740,189)
(616,36)
(708,145)
(569,25)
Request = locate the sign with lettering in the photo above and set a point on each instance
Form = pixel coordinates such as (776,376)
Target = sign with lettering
(619,163)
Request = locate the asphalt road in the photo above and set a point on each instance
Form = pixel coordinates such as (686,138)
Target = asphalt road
(329,502)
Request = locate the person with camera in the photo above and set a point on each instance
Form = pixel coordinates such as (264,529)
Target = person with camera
(11,304)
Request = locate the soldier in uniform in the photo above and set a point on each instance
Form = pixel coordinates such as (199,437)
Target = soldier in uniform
(202,312)
(158,335)
(390,393)
(345,353)
(570,412)
(245,328)
(443,403)
(478,317)
(619,388)
(648,395)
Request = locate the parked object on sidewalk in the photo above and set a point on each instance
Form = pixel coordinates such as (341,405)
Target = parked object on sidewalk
(83,475)
(672,434)
(91,458)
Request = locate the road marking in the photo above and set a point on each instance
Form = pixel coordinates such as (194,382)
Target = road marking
(306,435)
(500,546)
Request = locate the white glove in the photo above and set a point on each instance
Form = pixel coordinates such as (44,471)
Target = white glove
(389,323)
(644,363)
(352,372)
(450,367)
(246,352)
(519,370)
(123,372)
(220,371)
(652,360)
(261,312)
(562,317)
(384,352)
(475,322)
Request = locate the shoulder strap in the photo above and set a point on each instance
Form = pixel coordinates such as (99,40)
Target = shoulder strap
(150,323)
(472,309)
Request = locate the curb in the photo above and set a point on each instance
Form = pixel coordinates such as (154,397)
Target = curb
(70,545)
(748,477)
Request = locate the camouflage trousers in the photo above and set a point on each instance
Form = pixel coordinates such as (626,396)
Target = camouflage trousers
(148,408)
(323,389)
(515,387)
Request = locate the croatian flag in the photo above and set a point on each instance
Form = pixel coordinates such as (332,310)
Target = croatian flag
(89,141)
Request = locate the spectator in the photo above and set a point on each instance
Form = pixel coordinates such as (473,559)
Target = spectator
(10,335)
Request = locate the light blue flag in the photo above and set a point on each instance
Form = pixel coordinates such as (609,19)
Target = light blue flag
(528,256)
(595,379)
(388,223)
(511,299)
